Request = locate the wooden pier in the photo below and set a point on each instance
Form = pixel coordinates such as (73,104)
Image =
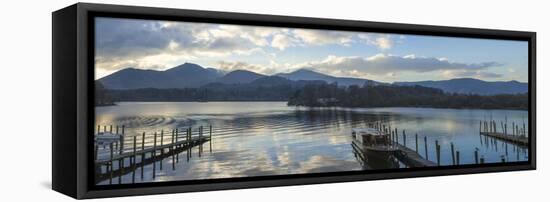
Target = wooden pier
(124,158)
(411,158)
(518,135)
(411,155)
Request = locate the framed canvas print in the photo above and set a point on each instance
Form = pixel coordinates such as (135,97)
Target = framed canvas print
(155,100)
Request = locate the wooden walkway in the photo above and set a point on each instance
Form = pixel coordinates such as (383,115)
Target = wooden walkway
(515,139)
(411,158)
(179,145)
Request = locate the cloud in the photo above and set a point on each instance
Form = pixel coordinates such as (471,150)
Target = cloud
(281,41)
(323,37)
(471,74)
(390,65)
(130,42)
(229,66)
(152,44)
(382,41)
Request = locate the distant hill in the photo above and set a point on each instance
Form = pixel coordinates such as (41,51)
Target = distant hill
(191,75)
(472,86)
(187,75)
(308,75)
(239,76)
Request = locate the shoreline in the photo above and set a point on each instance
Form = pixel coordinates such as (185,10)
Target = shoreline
(317,107)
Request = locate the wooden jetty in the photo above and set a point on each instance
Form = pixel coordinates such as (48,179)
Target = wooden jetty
(518,135)
(122,160)
(411,155)
(411,158)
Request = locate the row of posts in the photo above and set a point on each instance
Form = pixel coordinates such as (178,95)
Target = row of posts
(491,127)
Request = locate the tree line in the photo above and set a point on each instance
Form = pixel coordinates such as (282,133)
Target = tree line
(400,96)
(317,94)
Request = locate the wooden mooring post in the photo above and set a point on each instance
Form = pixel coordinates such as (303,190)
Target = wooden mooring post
(177,154)
(453,153)
(210,138)
(154,153)
(426,147)
(134,161)
(111,163)
(404,139)
(143,154)
(476,153)
(438,152)
(161,144)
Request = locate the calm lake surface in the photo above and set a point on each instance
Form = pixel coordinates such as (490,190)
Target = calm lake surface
(270,138)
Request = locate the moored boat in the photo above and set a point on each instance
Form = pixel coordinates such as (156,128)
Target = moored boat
(374,145)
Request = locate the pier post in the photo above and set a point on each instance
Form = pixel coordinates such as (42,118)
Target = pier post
(404,139)
(111,163)
(453,153)
(190,142)
(173,150)
(513,131)
(154,153)
(396,136)
(162,148)
(426,147)
(142,153)
(134,161)
(476,154)
(200,139)
(177,146)
(438,152)
(121,148)
(210,138)
(480,126)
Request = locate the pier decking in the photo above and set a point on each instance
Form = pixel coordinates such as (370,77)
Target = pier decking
(516,139)
(518,135)
(411,158)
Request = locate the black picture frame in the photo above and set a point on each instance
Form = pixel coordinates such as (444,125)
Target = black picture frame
(73,90)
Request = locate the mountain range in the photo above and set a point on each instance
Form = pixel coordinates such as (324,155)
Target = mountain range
(191,75)
(472,86)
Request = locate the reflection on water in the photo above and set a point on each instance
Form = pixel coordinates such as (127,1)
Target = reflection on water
(269,138)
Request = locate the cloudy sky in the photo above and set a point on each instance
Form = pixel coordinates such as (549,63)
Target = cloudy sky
(160,45)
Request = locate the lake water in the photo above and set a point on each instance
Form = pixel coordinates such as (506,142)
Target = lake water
(270,138)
